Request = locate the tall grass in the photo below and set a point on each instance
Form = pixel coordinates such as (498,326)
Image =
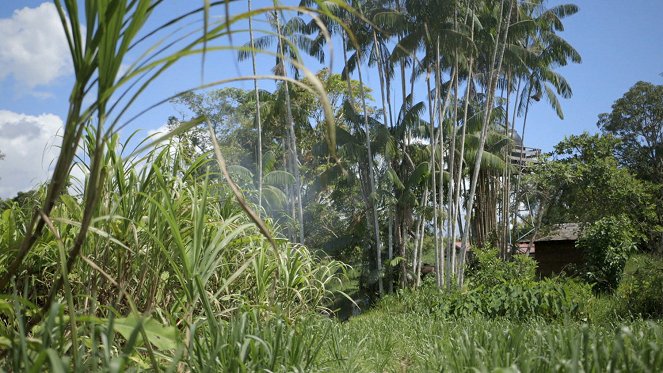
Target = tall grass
(170,255)
(155,248)
(378,342)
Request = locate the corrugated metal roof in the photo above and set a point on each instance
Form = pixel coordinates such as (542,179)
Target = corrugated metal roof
(561,232)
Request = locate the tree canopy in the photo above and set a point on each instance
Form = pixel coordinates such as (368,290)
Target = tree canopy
(582,181)
(637,120)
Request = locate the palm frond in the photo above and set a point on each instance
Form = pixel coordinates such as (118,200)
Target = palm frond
(279,178)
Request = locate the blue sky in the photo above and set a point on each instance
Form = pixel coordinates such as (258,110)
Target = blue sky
(620,43)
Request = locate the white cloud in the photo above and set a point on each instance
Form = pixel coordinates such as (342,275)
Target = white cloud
(30,144)
(33,47)
(162,130)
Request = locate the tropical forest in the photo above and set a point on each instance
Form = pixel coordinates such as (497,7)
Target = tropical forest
(331,186)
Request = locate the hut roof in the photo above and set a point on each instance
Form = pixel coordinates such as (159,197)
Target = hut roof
(561,232)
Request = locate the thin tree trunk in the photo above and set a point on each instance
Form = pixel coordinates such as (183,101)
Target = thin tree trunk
(431,168)
(371,173)
(415,253)
(441,115)
(419,243)
(390,254)
(452,165)
(520,158)
(452,146)
(382,75)
(258,119)
(367,194)
(457,222)
(506,179)
(511,229)
(294,159)
(494,74)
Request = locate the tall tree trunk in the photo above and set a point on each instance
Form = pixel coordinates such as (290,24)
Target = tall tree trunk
(292,138)
(373,196)
(506,176)
(457,221)
(495,66)
(451,237)
(390,253)
(459,179)
(441,115)
(258,119)
(431,168)
(370,196)
(382,76)
(419,242)
(511,192)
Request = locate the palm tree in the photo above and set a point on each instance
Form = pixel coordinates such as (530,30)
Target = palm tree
(494,68)
(548,51)
(290,38)
(407,172)
(273,184)
(362,39)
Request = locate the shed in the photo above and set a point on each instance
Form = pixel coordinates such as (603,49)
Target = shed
(556,250)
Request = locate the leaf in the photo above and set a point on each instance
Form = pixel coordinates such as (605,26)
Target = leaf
(418,175)
(394,179)
(279,178)
(162,337)
(394,262)
(240,172)
(57,365)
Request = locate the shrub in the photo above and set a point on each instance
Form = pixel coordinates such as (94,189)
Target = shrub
(607,244)
(641,290)
(423,300)
(249,342)
(490,270)
(548,299)
(497,289)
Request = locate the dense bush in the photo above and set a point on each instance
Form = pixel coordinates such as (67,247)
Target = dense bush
(490,270)
(641,290)
(548,299)
(607,244)
(497,289)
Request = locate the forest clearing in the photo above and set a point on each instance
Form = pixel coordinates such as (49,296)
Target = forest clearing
(326,186)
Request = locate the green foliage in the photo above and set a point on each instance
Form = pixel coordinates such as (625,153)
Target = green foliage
(606,245)
(248,341)
(163,261)
(379,342)
(231,112)
(490,270)
(251,343)
(583,183)
(548,299)
(640,291)
(169,239)
(497,289)
(637,120)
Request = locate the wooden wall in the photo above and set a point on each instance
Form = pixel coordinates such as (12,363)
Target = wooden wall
(554,256)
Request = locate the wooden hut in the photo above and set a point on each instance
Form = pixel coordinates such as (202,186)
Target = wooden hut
(556,250)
